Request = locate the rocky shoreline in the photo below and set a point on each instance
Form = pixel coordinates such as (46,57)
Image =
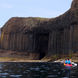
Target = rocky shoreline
(13,56)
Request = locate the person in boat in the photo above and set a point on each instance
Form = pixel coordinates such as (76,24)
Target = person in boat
(66,61)
(69,62)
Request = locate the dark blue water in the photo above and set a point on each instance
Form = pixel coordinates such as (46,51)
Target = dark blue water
(36,70)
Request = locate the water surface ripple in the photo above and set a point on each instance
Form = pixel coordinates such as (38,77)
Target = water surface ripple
(36,70)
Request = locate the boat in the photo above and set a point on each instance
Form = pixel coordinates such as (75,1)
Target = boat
(73,64)
(70,65)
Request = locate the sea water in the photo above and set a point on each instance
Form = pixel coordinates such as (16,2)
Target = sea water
(36,70)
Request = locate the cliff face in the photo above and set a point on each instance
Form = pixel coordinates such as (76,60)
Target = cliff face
(42,36)
(19,34)
(74,9)
(19,24)
(74,4)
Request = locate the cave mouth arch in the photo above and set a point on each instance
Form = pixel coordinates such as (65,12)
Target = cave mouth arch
(41,44)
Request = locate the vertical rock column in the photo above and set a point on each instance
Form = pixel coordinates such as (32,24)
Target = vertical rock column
(52,42)
(70,39)
(50,45)
(67,40)
(75,38)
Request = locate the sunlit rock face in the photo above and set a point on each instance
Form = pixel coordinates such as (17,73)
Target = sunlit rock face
(41,37)
(74,8)
(74,4)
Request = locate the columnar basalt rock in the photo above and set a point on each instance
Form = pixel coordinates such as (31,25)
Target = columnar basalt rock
(42,36)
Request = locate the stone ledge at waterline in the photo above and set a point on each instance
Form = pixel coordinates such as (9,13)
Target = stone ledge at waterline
(42,37)
(14,56)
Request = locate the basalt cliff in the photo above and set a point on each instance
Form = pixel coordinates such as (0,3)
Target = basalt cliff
(42,37)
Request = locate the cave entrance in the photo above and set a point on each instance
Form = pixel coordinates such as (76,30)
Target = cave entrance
(42,44)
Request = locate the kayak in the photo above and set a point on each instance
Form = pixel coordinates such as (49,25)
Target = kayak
(73,64)
(70,65)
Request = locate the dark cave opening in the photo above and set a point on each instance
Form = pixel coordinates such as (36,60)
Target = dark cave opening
(42,44)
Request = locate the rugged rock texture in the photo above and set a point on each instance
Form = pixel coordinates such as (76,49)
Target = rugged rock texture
(43,36)
(19,34)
